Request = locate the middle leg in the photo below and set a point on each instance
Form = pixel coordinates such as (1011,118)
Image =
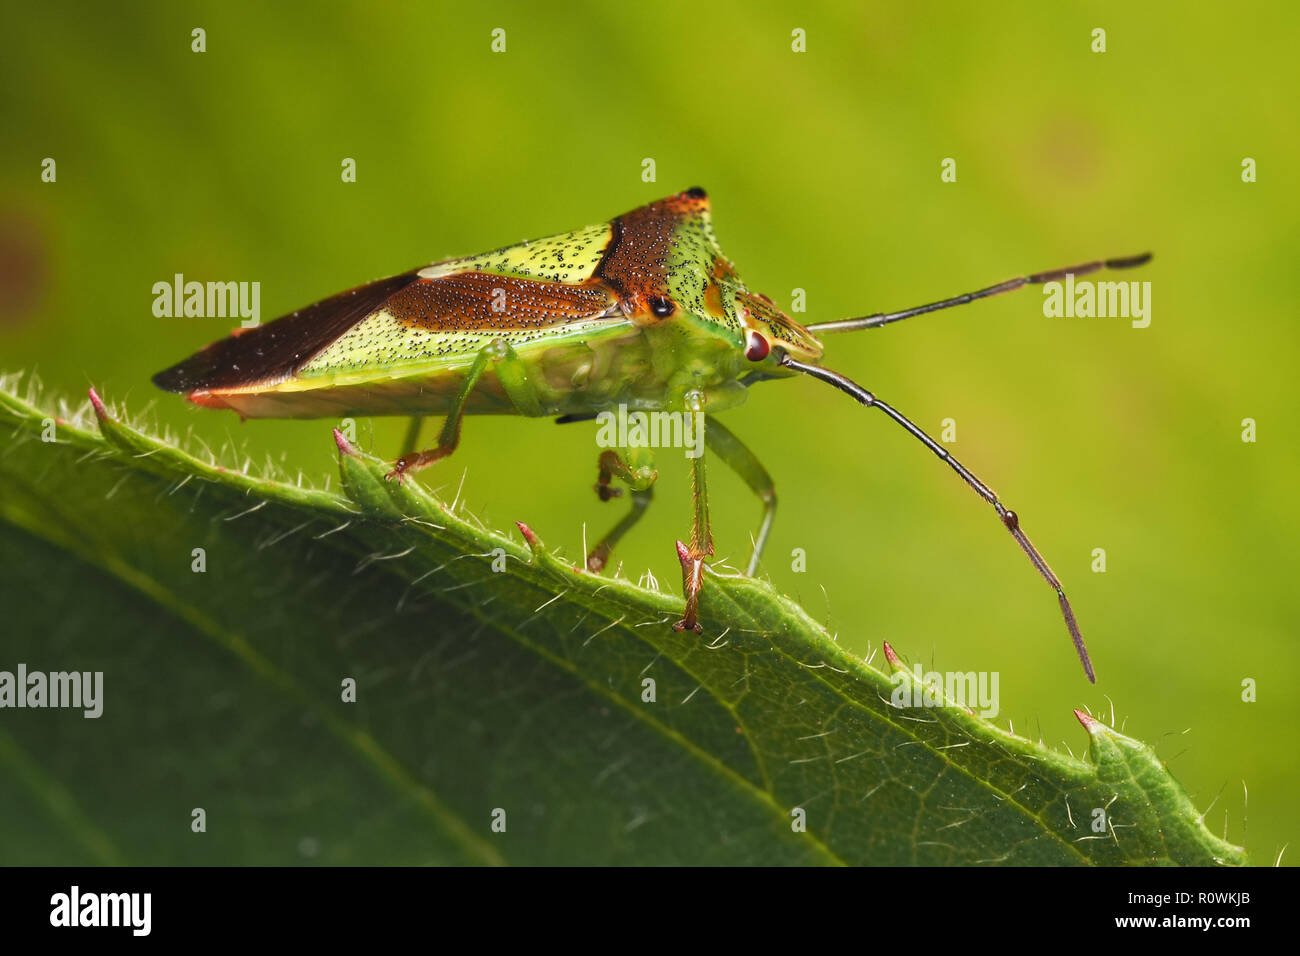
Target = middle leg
(639,477)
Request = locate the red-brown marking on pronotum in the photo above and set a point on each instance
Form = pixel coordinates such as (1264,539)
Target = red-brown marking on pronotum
(635,264)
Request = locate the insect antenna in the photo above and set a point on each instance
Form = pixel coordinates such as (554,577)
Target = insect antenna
(885,318)
(1009,518)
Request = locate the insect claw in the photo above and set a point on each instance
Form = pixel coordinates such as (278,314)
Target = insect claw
(692,562)
(400,468)
(607,492)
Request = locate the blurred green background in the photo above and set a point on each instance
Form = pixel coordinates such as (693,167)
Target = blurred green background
(824,171)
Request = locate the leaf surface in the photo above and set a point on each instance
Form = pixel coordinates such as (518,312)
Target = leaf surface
(494,682)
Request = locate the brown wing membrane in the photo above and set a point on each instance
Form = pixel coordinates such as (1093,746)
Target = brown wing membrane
(469,301)
(272,352)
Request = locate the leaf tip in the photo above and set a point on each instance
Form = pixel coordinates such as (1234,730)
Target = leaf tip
(529,535)
(345,446)
(1089,722)
(97,403)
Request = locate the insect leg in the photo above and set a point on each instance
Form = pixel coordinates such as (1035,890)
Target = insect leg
(1053,275)
(639,480)
(449,437)
(692,556)
(1010,520)
(723,442)
(513,376)
(412,439)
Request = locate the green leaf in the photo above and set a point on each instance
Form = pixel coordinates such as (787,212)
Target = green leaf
(492,677)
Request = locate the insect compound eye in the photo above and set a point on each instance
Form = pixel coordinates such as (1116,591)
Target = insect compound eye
(757,347)
(695,192)
(661,307)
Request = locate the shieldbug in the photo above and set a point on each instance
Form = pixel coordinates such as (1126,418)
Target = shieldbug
(641,312)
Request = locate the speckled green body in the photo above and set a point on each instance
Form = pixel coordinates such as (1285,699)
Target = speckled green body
(643,311)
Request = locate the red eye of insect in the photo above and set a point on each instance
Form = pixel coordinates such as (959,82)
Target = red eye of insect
(757,348)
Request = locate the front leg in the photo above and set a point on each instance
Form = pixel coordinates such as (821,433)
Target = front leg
(701,545)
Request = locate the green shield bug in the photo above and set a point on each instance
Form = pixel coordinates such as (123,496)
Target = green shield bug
(643,312)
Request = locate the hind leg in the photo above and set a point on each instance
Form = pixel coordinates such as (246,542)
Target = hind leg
(513,376)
